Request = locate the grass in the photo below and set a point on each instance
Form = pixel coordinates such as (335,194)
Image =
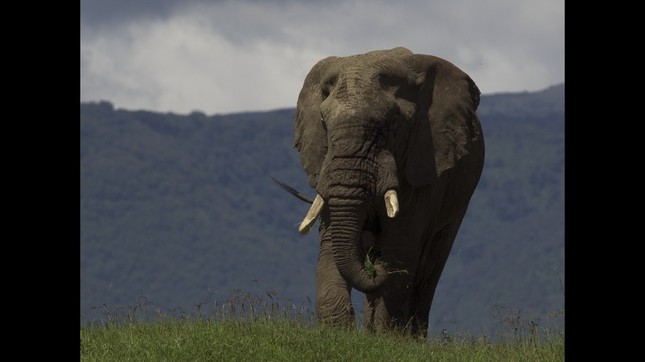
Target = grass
(372,260)
(283,340)
(246,328)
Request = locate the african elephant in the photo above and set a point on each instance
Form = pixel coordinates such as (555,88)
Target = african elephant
(391,143)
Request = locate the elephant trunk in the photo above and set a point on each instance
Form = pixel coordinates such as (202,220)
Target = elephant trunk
(353,177)
(347,218)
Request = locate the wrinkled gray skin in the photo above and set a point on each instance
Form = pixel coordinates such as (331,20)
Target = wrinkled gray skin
(387,120)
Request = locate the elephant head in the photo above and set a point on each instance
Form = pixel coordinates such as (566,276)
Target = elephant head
(368,125)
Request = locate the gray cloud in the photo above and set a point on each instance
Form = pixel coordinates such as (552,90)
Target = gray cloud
(229,56)
(115,12)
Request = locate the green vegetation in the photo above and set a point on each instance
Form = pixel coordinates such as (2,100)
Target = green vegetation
(286,341)
(267,332)
(181,209)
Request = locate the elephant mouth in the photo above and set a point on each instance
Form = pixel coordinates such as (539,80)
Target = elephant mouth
(391,206)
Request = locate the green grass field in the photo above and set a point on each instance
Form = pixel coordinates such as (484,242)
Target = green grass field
(268,332)
(283,340)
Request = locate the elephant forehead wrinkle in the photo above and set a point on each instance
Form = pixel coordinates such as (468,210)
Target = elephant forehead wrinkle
(350,88)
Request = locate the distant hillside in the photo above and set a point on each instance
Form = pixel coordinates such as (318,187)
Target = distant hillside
(548,102)
(178,210)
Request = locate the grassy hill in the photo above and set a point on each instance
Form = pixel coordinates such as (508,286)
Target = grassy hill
(179,211)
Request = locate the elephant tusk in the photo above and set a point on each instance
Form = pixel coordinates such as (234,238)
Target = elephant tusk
(311,216)
(391,203)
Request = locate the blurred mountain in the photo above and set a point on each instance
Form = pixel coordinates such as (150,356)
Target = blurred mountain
(179,211)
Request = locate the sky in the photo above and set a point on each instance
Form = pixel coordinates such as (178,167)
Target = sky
(220,56)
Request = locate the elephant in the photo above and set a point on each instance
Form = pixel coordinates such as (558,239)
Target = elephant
(391,143)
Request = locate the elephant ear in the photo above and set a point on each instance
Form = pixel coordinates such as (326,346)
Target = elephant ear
(310,137)
(446,123)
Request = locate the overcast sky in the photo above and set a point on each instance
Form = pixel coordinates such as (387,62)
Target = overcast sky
(251,55)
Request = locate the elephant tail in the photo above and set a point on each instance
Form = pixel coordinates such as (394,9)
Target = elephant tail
(292,191)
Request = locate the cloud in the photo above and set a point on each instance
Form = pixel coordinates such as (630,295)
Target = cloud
(231,56)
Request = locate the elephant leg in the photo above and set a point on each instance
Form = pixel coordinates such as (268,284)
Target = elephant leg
(373,308)
(400,246)
(388,309)
(333,293)
(431,265)
(405,301)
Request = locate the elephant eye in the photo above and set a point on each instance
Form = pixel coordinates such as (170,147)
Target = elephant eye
(389,81)
(327,86)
